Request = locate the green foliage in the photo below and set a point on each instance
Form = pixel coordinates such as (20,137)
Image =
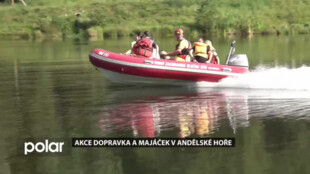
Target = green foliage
(117,18)
(181,3)
(252,16)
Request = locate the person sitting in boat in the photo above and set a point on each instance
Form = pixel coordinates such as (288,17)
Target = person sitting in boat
(199,51)
(182,48)
(212,54)
(138,37)
(145,46)
(155,55)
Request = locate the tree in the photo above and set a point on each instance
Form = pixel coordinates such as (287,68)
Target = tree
(22,1)
(206,15)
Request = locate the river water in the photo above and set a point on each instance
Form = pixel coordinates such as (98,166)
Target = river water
(50,90)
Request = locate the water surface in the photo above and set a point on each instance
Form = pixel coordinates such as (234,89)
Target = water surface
(49,90)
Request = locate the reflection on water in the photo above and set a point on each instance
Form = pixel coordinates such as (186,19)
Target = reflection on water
(149,117)
(198,112)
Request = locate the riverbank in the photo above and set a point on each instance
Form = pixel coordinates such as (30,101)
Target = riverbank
(123,18)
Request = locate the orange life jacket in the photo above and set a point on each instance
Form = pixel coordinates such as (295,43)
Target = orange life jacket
(143,47)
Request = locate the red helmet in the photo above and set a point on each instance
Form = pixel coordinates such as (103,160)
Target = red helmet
(178,31)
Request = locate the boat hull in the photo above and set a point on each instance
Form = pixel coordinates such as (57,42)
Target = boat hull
(127,69)
(133,79)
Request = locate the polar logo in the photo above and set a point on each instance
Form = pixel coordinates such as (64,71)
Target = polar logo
(41,147)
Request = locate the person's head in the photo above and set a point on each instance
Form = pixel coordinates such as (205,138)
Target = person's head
(78,15)
(208,42)
(200,40)
(146,34)
(178,33)
(138,35)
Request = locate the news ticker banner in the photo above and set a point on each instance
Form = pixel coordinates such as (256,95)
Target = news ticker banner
(61,146)
(153,142)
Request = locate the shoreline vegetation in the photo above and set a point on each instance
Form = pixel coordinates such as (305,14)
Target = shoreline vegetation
(100,19)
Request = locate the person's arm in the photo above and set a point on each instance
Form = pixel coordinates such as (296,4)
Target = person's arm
(154,45)
(156,48)
(192,55)
(132,44)
(175,53)
(210,54)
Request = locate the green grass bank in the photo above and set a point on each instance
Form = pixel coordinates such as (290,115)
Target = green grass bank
(117,18)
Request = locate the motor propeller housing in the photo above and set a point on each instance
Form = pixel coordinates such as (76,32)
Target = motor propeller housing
(236,59)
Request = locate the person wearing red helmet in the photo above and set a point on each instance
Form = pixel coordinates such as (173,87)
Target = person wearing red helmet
(182,48)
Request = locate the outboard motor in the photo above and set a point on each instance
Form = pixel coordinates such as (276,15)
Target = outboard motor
(236,59)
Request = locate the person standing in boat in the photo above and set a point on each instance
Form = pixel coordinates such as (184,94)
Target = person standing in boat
(199,51)
(182,48)
(145,46)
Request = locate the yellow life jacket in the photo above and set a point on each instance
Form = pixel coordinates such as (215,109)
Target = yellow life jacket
(200,49)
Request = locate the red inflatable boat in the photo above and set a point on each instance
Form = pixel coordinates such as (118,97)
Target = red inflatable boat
(128,69)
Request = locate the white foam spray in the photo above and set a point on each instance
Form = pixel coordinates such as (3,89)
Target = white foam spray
(281,78)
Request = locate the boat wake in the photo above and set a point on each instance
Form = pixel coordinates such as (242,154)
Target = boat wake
(281,78)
